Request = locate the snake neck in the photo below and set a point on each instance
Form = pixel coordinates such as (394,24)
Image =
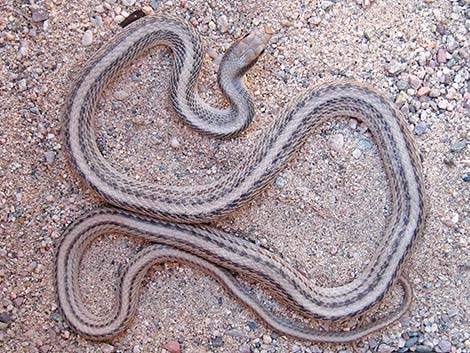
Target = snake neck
(195,112)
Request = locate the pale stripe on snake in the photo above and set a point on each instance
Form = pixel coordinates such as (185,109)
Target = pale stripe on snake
(163,214)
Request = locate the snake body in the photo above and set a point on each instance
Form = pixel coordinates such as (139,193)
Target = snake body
(171,216)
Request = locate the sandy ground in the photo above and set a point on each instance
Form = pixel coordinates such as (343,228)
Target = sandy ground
(323,212)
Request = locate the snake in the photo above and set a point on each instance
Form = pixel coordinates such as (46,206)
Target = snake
(176,220)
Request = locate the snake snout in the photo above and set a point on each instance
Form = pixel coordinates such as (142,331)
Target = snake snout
(252,46)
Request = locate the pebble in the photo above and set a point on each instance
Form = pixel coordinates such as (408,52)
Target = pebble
(245,349)
(420,128)
(314,20)
(402,85)
(235,333)
(107,348)
(336,142)
(434,93)
(295,348)
(451,44)
(458,146)
(251,325)
(443,346)
(154,4)
(267,339)
(466,178)
(280,181)
(9,36)
(385,348)
(357,153)
(121,95)
(222,23)
(174,143)
(172,347)
(87,38)
(423,91)
(50,156)
(39,15)
(423,349)
(326,4)
(396,67)
(415,81)
(364,145)
(411,341)
(128,2)
(216,342)
(441,56)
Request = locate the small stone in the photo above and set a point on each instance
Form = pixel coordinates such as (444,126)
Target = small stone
(87,38)
(411,342)
(174,143)
(267,339)
(244,349)
(212,25)
(50,156)
(99,9)
(148,10)
(385,348)
(364,145)
(402,85)
(451,44)
(396,67)
(423,91)
(121,95)
(357,153)
(222,23)
(434,93)
(128,2)
(441,29)
(251,325)
(9,36)
(421,348)
(216,342)
(280,181)
(420,128)
(154,4)
(295,348)
(401,98)
(235,333)
(286,23)
(314,20)
(414,81)
(326,4)
(212,53)
(457,147)
(38,15)
(352,124)
(441,56)
(466,178)
(336,142)
(172,347)
(443,346)
(107,348)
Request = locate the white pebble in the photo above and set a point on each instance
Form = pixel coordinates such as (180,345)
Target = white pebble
(357,153)
(87,38)
(174,143)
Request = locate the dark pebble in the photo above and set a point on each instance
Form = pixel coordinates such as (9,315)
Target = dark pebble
(423,349)
(5,318)
(217,342)
(441,29)
(252,325)
(411,341)
(466,178)
(420,128)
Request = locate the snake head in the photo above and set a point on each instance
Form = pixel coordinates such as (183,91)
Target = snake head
(244,53)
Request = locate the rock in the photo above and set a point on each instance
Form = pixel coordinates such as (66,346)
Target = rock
(235,333)
(314,20)
(411,341)
(222,23)
(336,142)
(295,348)
(466,178)
(395,67)
(172,347)
(267,339)
(252,325)
(244,349)
(217,342)
(434,92)
(443,346)
(128,2)
(50,156)
(154,4)
(415,81)
(402,85)
(441,56)
(420,128)
(281,182)
(357,153)
(421,348)
(441,29)
(423,91)
(87,38)
(107,348)
(459,146)
(364,145)
(326,4)
(121,95)
(452,44)
(39,15)
(174,143)
(385,348)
